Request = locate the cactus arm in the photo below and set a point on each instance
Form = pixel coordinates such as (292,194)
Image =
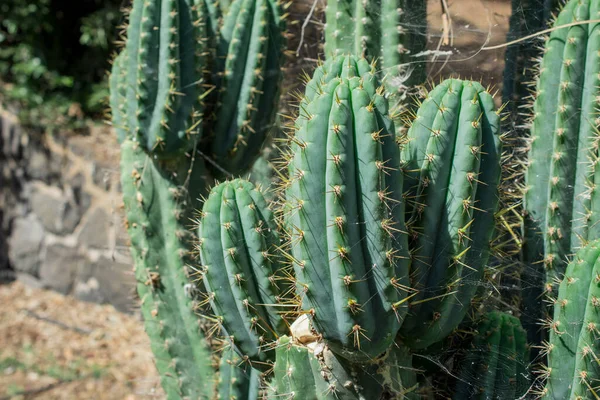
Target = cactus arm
(433,179)
(454,218)
(118,89)
(160,253)
(236,380)
(338,215)
(585,210)
(339,27)
(559,212)
(237,238)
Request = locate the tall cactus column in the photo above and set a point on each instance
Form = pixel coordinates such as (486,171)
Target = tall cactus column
(452,166)
(156,88)
(561,200)
(344,211)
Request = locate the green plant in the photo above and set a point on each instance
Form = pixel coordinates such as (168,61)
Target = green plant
(237,380)
(377,244)
(496,365)
(244,281)
(560,195)
(344,217)
(392,32)
(247,75)
(573,369)
(452,166)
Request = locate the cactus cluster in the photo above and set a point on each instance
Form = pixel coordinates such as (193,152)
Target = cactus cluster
(369,251)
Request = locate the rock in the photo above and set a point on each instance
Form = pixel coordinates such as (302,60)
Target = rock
(95,230)
(25,244)
(59,268)
(29,280)
(106,281)
(59,211)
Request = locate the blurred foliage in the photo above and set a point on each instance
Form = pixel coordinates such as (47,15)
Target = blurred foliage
(54,55)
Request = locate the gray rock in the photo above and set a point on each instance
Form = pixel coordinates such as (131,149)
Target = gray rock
(25,243)
(59,211)
(59,268)
(95,230)
(29,280)
(106,281)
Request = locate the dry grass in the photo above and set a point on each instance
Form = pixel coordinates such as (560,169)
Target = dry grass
(86,351)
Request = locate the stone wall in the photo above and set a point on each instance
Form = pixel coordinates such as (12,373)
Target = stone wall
(61,222)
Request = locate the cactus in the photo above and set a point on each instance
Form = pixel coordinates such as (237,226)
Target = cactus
(160,75)
(313,372)
(243,280)
(390,31)
(560,196)
(495,366)
(157,203)
(573,370)
(237,381)
(452,166)
(528,17)
(249,57)
(344,213)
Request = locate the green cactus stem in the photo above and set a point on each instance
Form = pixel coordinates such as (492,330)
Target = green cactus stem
(560,195)
(573,369)
(389,31)
(344,211)
(157,200)
(452,167)
(496,365)
(250,55)
(159,76)
(237,380)
(313,372)
(520,72)
(243,279)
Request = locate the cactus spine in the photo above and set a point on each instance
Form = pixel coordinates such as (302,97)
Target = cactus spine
(561,199)
(238,239)
(389,31)
(573,369)
(452,166)
(495,367)
(344,211)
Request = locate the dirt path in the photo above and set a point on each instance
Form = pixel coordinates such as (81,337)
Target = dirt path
(55,347)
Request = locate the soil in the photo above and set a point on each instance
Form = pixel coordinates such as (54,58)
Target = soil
(55,347)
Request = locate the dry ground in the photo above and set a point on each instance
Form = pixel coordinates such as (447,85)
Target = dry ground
(55,347)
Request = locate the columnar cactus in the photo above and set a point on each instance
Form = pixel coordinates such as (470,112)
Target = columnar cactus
(243,279)
(389,31)
(157,206)
(157,80)
(155,100)
(452,166)
(561,199)
(496,365)
(520,72)
(573,369)
(344,211)
(249,57)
